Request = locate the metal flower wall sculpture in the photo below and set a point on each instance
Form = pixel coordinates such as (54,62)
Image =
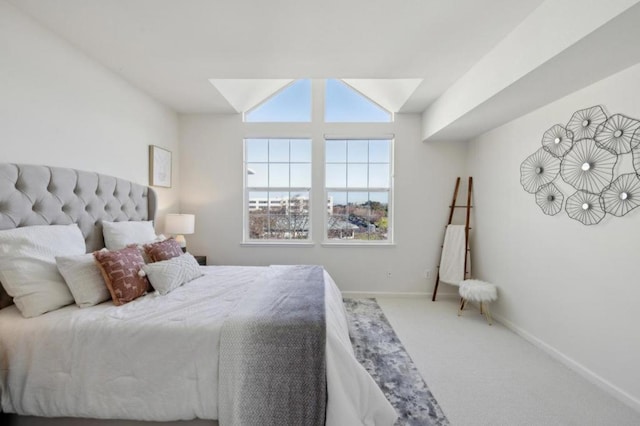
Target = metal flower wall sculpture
(585,154)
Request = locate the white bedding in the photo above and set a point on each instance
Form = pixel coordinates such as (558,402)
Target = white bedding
(156,358)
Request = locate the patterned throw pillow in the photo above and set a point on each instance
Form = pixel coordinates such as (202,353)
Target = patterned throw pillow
(140,247)
(120,270)
(167,275)
(163,250)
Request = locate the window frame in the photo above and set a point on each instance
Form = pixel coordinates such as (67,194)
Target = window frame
(390,191)
(246,239)
(317,131)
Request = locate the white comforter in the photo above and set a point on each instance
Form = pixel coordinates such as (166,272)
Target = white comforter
(156,358)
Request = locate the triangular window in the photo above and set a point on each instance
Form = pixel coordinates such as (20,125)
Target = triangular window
(345,105)
(292,104)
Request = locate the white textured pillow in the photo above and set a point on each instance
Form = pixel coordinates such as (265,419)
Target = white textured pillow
(167,275)
(84,279)
(28,266)
(118,235)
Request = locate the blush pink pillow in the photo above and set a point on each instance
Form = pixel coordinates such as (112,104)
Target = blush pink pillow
(120,270)
(163,250)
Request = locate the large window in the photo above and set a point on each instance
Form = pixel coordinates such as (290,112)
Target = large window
(351,196)
(278,185)
(358,186)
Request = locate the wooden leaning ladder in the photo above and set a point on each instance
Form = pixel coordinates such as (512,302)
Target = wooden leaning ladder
(452,207)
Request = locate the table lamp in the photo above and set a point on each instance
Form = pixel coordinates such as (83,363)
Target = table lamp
(178,225)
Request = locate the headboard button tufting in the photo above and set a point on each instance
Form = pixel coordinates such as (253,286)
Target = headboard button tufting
(31,194)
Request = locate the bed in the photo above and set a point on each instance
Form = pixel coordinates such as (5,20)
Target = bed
(197,353)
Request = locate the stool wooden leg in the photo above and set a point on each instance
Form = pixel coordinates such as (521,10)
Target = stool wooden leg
(488,314)
(481,303)
(462,303)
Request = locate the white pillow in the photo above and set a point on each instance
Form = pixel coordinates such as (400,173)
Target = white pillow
(167,275)
(28,266)
(84,279)
(118,235)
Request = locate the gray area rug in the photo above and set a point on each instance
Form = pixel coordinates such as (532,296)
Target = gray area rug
(379,350)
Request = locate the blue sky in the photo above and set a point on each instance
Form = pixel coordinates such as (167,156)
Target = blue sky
(293,104)
(342,104)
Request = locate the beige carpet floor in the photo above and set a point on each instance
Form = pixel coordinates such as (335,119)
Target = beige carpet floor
(488,375)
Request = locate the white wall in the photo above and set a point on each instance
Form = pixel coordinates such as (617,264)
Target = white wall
(571,288)
(211,164)
(60,108)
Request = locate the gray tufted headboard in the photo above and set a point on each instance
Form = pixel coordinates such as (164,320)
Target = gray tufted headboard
(41,195)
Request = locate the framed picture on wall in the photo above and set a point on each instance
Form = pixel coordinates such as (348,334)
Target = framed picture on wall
(159,166)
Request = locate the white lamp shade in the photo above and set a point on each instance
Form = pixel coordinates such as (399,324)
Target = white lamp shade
(180,224)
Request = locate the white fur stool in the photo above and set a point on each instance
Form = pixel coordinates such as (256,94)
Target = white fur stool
(478,291)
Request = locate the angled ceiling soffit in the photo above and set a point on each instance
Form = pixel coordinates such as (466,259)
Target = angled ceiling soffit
(244,94)
(389,93)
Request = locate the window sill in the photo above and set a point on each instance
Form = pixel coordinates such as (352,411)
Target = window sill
(277,244)
(346,245)
(311,244)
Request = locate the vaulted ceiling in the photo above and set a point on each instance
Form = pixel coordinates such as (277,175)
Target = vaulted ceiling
(466,65)
(172,48)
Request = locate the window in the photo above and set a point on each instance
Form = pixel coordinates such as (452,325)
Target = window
(282,205)
(291,104)
(358,187)
(278,185)
(344,104)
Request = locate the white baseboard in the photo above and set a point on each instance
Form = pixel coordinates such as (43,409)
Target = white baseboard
(592,377)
